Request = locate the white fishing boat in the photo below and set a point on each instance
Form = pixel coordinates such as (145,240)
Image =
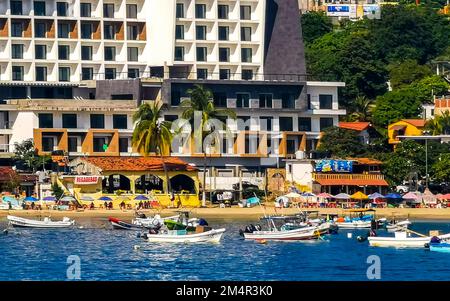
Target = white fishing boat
(183,236)
(402,240)
(306,233)
(152,222)
(359,224)
(46,223)
(398,226)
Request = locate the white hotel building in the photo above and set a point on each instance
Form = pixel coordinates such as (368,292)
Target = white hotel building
(72,73)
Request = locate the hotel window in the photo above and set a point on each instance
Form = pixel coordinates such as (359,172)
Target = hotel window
(110,73)
(325,123)
(308,100)
(133,72)
(72,144)
(131,11)
(170,118)
(247,74)
(17,51)
(265,123)
(304,124)
(265,100)
(16,7)
(69,121)
(17,73)
(108,31)
(97,121)
(85,10)
(286,124)
(86,53)
(132,32)
(62,9)
(202,54)
(41,74)
(48,144)
(120,121)
(179,32)
(202,73)
(123,145)
(63,30)
(99,144)
(39,8)
(325,102)
(179,53)
(287,101)
(40,52)
(224,54)
(16,29)
(200,32)
(108,10)
(180,10)
(63,52)
(133,54)
(222,11)
(200,11)
(242,100)
(86,30)
(40,29)
(87,73)
(224,73)
(110,53)
(64,74)
(45,120)
(246,34)
(246,55)
(220,99)
(246,12)
(175,98)
(224,33)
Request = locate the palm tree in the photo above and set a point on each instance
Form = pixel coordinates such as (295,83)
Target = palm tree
(151,135)
(361,109)
(440,124)
(201,100)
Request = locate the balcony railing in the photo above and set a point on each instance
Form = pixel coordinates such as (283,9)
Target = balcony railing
(6,148)
(371,176)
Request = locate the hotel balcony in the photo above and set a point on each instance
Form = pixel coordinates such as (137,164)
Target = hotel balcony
(336,179)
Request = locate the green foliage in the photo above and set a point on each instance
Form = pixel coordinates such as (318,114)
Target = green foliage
(57,191)
(26,157)
(407,72)
(441,168)
(361,109)
(429,86)
(315,25)
(439,125)
(341,143)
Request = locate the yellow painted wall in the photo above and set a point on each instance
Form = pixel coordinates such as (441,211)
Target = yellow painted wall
(410,130)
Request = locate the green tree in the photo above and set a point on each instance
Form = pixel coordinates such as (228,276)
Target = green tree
(429,86)
(200,101)
(439,125)
(407,72)
(441,168)
(26,157)
(151,135)
(57,191)
(361,109)
(315,25)
(341,143)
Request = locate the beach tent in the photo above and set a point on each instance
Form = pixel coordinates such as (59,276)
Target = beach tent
(428,197)
(410,196)
(359,196)
(375,196)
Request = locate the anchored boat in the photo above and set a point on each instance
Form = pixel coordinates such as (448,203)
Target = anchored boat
(402,240)
(46,223)
(202,234)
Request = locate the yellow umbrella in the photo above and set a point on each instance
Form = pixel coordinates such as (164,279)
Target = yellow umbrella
(359,196)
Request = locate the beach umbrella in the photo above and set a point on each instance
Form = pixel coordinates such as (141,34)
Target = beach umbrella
(428,197)
(68,199)
(446,196)
(410,196)
(342,196)
(87,198)
(393,196)
(105,198)
(359,196)
(324,195)
(307,194)
(49,199)
(375,196)
(141,198)
(30,199)
(293,195)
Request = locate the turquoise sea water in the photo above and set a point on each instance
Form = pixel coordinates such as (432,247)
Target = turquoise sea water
(111,255)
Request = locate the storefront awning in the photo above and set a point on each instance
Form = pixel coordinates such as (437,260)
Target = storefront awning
(352,182)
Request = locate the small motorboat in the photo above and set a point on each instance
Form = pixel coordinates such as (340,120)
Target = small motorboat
(397,226)
(46,223)
(122,225)
(152,222)
(437,245)
(184,222)
(402,240)
(202,234)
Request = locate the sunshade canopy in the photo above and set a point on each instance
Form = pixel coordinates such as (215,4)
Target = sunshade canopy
(359,196)
(342,196)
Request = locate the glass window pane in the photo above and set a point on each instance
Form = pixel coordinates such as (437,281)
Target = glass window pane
(69,121)
(120,121)
(97,121)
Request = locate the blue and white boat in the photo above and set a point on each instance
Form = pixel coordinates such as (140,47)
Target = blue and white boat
(440,247)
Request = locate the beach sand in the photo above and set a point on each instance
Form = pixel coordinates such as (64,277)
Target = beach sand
(234,213)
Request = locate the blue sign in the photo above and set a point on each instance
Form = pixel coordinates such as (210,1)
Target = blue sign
(338,8)
(334,166)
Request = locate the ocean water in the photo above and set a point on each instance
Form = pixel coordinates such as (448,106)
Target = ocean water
(105,254)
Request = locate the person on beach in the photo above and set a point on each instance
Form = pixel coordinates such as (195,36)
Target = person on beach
(110,205)
(105,205)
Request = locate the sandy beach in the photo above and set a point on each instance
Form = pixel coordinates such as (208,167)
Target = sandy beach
(234,213)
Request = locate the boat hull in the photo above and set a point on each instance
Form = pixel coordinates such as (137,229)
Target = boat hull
(46,224)
(409,242)
(296,234)
(441,247)
(354,225)
(121,225)
(213,236)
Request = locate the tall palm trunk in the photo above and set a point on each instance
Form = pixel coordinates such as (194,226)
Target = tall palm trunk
(204,181)
(166,173)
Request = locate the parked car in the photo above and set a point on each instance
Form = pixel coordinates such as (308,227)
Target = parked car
(402,189)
